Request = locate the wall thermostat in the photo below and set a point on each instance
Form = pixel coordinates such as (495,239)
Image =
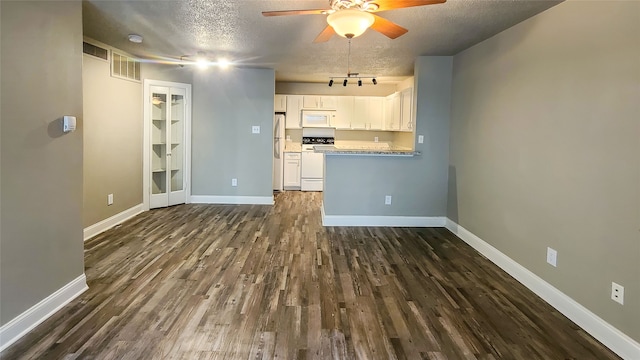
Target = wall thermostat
(68,123)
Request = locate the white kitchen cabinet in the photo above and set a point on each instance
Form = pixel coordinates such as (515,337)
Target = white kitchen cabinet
(293,119)
(279,103)
(292,162)
(406,110)
(344,112)
(319,102)
(392,112)
(368,113)
(167,143)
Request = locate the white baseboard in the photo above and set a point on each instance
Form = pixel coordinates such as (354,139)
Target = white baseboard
(614,339)
(389,221)
(108,223)
(25,322)
(237,200)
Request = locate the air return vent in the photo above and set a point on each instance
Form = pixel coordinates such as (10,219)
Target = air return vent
(96,51)
(124,67)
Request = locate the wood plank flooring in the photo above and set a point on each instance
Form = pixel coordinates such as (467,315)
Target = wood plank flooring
(269,282)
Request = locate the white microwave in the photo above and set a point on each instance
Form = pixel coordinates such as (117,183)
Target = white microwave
(318,118)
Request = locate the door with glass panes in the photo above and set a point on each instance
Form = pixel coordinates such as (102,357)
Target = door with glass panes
(168,115)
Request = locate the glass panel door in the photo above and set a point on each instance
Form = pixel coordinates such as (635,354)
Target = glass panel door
(177,140)
(158,141)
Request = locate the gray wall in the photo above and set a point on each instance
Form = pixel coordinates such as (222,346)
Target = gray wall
(41,247)
(113,123)
(357,185)
(545,149)
(226,103)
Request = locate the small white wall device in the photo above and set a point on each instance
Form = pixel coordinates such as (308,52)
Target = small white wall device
(68,123)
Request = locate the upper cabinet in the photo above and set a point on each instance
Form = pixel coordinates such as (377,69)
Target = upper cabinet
(392,112)
(368,113)
(319,102)
(344,112)
(294,112)
(280,103)
(406,110)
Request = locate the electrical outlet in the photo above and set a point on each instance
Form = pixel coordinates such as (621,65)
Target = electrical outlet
(387,200)
(420,139)
(617,293)
(375,139)
(552,257)
(234,182)
(110,199)
(255,129)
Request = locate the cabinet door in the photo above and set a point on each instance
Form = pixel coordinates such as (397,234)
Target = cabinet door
(294,112)
(359,120)
(280,103)
(375,112)
(328,102)
(159,147)
(344,112)
(311,102)
(292,170)
(406,111)
(392,112)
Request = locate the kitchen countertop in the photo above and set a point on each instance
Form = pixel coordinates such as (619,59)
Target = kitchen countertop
(363,150)
(292,147)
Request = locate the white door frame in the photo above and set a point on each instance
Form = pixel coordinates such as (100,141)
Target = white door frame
(146,149)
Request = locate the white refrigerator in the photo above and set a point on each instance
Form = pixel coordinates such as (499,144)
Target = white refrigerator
(278,150)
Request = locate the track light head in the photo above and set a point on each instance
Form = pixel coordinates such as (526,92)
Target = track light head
(344,83)
(331,83)
(374,81)
(359,82)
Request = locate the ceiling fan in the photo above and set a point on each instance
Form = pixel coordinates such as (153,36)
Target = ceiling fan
(351,18)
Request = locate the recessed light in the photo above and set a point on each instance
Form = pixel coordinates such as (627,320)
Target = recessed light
(135,38)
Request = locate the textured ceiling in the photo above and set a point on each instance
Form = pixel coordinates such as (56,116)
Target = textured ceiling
(238,31)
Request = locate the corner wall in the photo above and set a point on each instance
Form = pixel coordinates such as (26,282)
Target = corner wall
(226,104)
(357,185)
(41,247)
(545,150)
(112,141)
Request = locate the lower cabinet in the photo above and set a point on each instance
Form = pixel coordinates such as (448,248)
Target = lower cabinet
(292,170)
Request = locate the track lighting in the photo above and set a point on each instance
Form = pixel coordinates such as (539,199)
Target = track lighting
(353,75)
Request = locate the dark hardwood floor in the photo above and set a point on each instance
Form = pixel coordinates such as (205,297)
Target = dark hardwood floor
(263,282)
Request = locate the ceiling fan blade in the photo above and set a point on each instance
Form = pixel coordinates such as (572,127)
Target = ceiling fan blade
(325,35)
(385,5)
(295,12)
(388,28)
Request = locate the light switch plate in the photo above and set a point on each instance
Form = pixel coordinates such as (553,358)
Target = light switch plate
(234,182)
(255,129)
(420,139)
(387,200)
(110,199)
(552,257)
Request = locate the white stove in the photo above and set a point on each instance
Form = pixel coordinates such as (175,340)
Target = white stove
(312,176)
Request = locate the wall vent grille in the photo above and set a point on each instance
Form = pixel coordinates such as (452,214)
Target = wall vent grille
(96,51)
(124,67)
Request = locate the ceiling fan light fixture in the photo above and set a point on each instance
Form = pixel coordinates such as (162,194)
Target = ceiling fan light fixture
(350,23)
